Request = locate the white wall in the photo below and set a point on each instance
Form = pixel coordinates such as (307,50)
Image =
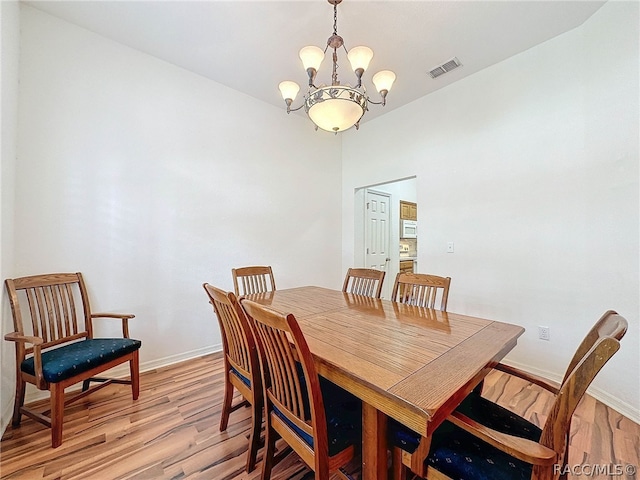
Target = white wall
(9,60)
(152,180)
(531,168)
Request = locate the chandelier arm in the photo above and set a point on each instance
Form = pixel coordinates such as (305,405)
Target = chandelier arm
(289,109)
(311,73)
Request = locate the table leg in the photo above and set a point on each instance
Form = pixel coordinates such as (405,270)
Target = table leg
(374,443)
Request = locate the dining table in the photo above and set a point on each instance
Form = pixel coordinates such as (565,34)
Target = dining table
(409,363)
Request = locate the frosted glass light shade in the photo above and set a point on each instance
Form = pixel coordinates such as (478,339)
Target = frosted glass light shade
(383,80)
(340,108)
(359,57)
(311,57)
(289,89)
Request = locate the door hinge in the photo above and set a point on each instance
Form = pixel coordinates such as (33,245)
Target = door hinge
(367,205)
(367,250)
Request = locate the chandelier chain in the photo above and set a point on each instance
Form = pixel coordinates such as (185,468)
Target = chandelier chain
(334,73)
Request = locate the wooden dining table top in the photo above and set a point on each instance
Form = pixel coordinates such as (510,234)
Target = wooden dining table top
(410,363)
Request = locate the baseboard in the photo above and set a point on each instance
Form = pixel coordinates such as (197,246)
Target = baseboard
(6,416)
(624,408)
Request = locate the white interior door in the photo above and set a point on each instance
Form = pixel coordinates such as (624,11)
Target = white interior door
(377,229)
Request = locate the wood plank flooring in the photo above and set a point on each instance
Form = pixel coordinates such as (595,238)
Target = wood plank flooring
(171,432)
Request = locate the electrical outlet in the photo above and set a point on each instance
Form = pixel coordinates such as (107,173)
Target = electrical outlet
(544,333)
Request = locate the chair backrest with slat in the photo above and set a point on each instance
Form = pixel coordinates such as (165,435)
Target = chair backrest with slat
(54,307)
(610,324)
(364,281)
(256,279)
(421,290)
(604,339)
(237,338)
(293,388)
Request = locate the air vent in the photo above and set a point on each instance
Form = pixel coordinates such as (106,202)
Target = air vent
(445,67)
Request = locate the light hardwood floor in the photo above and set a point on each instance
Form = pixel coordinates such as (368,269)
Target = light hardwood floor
(171,432)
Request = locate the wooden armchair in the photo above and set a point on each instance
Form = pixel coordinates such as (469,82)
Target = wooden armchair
(253,280)
(484,440)
(421,290)
(241,365)
(320,421)
(55,346)
(364,281)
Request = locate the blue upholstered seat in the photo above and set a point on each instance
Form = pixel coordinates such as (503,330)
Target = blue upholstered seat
(61,363)
(460,455)
(492,415)
(342,410)
(244,379)
(402,437)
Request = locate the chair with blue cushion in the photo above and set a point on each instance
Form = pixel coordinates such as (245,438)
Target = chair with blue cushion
(483,440)
(321,422)
(56,348)
(241,365)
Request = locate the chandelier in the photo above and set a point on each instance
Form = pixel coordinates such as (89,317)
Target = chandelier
(336,107)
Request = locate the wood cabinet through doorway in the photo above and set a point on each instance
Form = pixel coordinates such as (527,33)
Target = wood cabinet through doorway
(408,210)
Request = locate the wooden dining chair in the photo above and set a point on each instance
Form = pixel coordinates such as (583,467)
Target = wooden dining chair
(421,289)
(482,439)
(56,347)
(241,365)
(256,279)
(320,421)
(364,281)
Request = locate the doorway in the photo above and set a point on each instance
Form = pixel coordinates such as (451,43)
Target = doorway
(382,241)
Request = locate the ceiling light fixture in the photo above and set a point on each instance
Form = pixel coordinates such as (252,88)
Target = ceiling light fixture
(336,107)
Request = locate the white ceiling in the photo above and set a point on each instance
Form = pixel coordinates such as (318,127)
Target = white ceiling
(251,46)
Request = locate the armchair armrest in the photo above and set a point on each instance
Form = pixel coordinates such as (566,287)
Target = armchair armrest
(21,341)
(18,337)
(521,448)
(123,316)
(529,377)
(112,315)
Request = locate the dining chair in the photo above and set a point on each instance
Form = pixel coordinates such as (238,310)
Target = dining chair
(364,281)
(421,289)
(241,365)
(255,279)
(482,439)
(56,346)
(320,421)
